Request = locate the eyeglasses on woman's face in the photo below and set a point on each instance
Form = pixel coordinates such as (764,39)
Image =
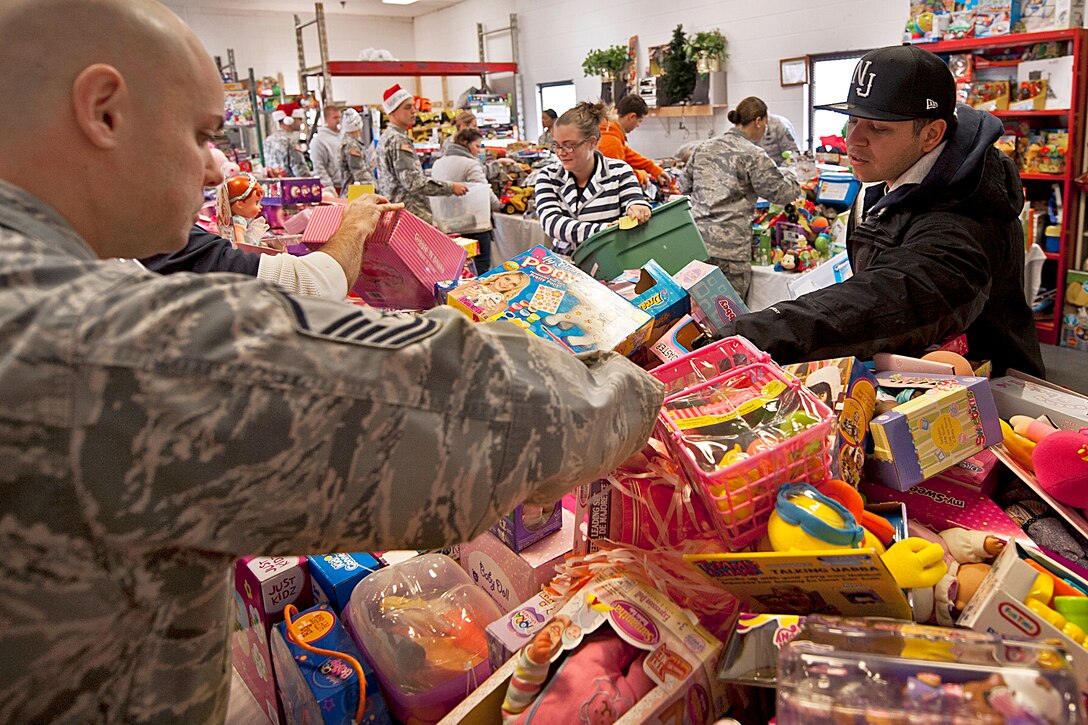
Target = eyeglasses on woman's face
(564,149)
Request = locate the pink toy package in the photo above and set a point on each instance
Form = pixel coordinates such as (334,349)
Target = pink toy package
(941,505)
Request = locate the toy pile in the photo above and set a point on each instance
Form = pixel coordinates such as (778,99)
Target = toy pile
(933,20)
(844,540)
(793,238)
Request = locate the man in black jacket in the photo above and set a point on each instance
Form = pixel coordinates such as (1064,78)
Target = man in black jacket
(937,249)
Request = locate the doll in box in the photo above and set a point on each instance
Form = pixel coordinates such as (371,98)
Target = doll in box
(968,555)
(239,210)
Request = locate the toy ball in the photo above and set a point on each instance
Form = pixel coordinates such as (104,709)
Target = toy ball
(819,224)
(959,364)
(1061,465)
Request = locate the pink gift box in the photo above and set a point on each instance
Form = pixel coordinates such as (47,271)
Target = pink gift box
(263,587)
(943,505)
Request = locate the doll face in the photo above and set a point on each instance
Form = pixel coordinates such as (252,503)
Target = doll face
(250,207)
(504,283)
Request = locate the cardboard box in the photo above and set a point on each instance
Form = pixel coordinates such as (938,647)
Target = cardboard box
(263,586)
(1058,74)
(334,576)
(682,659)
(519,534)
(1021,394)
(678,340)
(512,577)
(1074,331)
(653,291)
(849,389)
(319,688)
(998,605)
(508,634)
(404,258)
(978,473)
(916,440)
(751,656)
(1042,15)
(994,17)
(833,271)
(942,505)
(292,190)
(551,298)
(714,302)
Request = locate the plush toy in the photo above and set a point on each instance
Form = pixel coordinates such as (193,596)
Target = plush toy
(1061,465)
(789,262)
(239,211)
(967,556)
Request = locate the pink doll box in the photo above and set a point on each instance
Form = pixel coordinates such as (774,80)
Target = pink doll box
(955,419)
(552,299)
(509,577)
(677,340)
(1021,394)
(998,605)
(978,473)
(941,505)
(405,257)
(849,389)
(682,658)
(263,586)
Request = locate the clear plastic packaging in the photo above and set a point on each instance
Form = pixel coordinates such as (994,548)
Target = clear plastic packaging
(885,671)
(421,625)
(463,214)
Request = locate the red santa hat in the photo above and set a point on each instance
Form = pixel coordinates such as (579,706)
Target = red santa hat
(394,97)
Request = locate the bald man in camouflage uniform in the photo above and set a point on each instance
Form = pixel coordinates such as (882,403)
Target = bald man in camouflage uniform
(155,428)
(724,177)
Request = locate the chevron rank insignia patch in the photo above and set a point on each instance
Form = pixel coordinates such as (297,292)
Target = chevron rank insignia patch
(339,322)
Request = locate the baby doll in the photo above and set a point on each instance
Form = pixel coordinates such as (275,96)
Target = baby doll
(239,210)
(967,554)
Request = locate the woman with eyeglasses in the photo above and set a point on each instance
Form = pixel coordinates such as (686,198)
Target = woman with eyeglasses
(724,177)
(585,192)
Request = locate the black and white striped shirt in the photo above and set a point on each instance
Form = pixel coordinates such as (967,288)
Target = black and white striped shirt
(571,215)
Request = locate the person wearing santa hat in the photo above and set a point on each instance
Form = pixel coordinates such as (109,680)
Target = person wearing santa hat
(400,175)
(281,148)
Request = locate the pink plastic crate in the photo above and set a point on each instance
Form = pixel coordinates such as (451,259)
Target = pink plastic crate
(708,363)
(741,495)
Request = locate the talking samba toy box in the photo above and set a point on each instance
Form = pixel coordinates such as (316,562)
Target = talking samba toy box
(553,299)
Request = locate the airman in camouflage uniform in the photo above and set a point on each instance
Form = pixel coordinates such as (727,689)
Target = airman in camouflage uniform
(724,177)
(401,177)
(154,428)
(358,161)
(779,138)
(281,150)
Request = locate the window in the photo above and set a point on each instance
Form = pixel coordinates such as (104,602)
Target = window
(829,82)
(559,96)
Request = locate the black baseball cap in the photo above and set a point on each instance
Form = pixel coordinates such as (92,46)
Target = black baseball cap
(900,83)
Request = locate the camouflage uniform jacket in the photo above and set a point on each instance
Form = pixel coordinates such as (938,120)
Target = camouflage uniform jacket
(281,150)
(724,177)
(155,428)
(357,161)
(779,138)
(401,177)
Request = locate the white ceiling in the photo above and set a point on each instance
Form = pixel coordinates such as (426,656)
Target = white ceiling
(305,8)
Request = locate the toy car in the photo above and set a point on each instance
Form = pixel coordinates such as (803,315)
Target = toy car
(516,199)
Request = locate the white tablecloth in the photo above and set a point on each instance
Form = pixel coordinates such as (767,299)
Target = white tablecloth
(514,234)
(767,287)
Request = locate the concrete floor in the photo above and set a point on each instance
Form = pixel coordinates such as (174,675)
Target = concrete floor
(1066,367)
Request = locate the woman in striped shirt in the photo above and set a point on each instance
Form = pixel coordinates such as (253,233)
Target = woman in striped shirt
(585,192)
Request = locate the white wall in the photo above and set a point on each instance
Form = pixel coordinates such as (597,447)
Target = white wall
(265,41)
(556,35)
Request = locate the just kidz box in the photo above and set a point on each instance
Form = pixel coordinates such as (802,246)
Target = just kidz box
(263,586)
(553,299)
(653,291)
(849,389)
(953,419)
(681,657)
(941,505)
(333,576)
(321,688)
(525,526)
(714,302)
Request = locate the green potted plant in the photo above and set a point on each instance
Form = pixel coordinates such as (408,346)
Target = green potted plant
(610,65)
(678,80)
(709,49)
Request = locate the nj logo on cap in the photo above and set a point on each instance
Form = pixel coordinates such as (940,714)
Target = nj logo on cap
(864,79)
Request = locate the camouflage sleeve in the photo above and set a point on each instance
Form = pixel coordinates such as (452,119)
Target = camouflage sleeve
(359,169)
(687,176)
(411,176)
(258,421)
(769,181)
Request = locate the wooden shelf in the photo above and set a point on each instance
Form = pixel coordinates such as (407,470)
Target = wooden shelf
(1042,177)
(1012,40)
(338,68)
(1031,114)
(684,111)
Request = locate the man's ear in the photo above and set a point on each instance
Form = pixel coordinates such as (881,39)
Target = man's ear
(99,98)
(933,134)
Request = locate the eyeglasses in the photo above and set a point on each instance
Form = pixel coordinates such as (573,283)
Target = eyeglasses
(567,148)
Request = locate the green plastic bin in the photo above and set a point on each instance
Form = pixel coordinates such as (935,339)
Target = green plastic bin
(670,237)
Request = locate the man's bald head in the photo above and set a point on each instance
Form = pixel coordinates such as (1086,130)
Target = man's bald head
(102,75)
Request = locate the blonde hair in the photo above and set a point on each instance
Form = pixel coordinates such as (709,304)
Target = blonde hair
(523,282)
(586,117)
(464,119)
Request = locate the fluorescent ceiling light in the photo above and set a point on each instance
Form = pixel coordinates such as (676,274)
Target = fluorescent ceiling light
(398,2)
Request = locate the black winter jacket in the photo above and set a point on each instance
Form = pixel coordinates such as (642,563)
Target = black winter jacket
(205,252)
(930,261)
